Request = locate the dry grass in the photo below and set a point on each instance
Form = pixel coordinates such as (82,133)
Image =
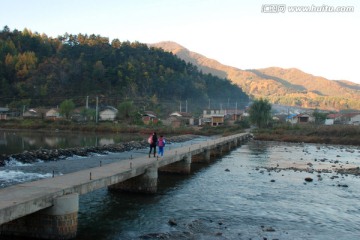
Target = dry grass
(336,134)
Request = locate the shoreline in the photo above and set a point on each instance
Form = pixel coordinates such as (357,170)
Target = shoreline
(318,134)
(58,154)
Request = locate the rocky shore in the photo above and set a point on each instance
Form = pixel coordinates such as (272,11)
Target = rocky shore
(56,154)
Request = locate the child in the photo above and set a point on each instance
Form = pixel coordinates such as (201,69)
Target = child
(161,145)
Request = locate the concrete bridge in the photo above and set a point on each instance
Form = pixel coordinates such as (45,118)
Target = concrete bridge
(48,208)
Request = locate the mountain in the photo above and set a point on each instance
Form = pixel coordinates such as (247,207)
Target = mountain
(291,87)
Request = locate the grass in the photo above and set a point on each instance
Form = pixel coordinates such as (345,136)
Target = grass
(111,127)
(335,134)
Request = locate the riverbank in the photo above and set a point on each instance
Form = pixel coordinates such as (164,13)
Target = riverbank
(114,127)
(306,133)
(138,141)
(57,154)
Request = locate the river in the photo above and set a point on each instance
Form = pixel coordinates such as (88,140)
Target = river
(18,141)
(257,191)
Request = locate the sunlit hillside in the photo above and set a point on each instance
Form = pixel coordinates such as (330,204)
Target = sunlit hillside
(291,87)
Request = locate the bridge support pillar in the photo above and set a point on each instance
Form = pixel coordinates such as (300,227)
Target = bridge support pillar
(236,142)
(203,157)
(144,183)
(227,147)
(57,222)
(181,167)
(217,151)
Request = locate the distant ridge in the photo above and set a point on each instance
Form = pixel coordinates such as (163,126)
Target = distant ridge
(291,87)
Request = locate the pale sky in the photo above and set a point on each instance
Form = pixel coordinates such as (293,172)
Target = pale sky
(238,33)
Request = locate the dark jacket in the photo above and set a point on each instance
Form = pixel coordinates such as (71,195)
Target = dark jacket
(154,140)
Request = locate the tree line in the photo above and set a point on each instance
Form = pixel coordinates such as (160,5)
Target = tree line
(37,70)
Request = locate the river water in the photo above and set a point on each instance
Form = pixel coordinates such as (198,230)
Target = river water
(237,196)
(16,141)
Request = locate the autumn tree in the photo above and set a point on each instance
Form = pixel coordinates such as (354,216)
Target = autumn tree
(25,62)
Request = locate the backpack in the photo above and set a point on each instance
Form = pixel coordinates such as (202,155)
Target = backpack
(161,142)
(150,139)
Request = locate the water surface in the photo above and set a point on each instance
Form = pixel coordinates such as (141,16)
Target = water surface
(233,197)
(236,198)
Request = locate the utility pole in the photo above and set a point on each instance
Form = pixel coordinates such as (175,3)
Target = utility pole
(186,106)
(236,108)
(97,109)
(87,102)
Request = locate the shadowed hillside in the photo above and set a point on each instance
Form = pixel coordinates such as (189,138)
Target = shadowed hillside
(281,86)
(36,70)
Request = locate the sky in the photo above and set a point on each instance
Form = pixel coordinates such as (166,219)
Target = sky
(243,34)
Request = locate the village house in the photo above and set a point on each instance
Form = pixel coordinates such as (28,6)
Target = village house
(53,114)
(78,115)
(4,111)
(213,117)
(149,118)
(108,113)
(181,118)
(333,118)
(351,118)
(232,116)
(173,121)
(300,118)
(35,113)
(345,118)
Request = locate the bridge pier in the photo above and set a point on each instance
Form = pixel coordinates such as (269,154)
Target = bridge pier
(203,157)
(227,147)
(144,183)
(236,142)
(181,167)
(57,222)
(217,151)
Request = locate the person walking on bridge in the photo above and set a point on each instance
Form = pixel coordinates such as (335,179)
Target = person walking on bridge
(153,142)
(161,145)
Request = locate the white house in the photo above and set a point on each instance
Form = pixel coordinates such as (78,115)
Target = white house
(108,114)
(53,113)
(355,119)
(329,121)
(333,118)
(352,118)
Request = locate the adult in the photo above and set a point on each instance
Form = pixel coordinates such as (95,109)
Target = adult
(153,141)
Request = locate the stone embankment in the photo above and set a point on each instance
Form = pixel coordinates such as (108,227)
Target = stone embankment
(57,154)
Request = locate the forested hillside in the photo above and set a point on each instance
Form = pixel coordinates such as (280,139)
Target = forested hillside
(36,70)
(290,87)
